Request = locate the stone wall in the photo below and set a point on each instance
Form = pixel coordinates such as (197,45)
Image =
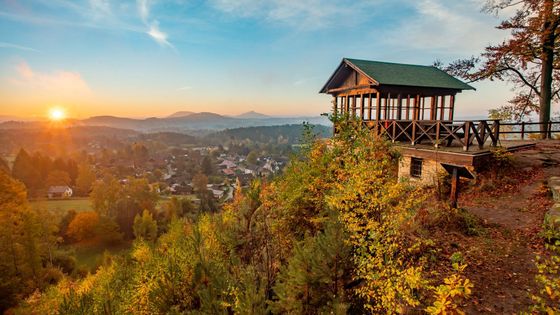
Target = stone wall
(430,170)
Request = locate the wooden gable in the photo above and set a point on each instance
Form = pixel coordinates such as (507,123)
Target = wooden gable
(347,78)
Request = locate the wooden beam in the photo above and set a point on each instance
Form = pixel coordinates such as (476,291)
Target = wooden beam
(399,107)
(362,107)
(452,106)
(378,106)
(454,196)
(335,106)
(433,105)
(408,107)
(442,108)
(370,96)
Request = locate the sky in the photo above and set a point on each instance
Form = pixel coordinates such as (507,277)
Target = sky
(154,57)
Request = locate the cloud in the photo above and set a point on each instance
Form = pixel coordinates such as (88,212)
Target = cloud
(143,9)
(448,27)
(159,36)
(309,14)
(60,81)
(15,46)
(153,26)
(185,88)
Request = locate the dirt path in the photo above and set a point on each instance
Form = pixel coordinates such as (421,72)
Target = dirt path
(501,257)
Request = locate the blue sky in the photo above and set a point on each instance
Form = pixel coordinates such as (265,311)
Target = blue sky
(152,58)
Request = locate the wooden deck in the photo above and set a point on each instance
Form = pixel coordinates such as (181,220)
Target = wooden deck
(439,133)
(457,156)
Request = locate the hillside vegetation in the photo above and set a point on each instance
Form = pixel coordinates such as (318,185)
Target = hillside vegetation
(336,233)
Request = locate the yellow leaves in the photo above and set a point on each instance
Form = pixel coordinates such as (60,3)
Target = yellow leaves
(452,293)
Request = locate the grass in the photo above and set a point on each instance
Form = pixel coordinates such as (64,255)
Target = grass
(89,257)
(62,205)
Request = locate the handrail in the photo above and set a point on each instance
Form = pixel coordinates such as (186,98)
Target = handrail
(439,132)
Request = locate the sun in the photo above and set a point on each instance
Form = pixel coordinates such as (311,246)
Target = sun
(57,114)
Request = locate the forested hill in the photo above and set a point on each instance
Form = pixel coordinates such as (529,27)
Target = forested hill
(285,134)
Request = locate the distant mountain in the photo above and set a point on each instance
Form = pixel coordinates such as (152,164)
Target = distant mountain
(252,115)
(182,113)
(193,123)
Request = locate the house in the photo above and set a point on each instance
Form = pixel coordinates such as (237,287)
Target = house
(227,164)
(59,192)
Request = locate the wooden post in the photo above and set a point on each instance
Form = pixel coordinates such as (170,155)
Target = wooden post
(454,188)
(452,107)
(467,127)
(433,106)
(362,107)
(348,104)
(369,105)
(522,130)
(408,107)
(416,107)
(399,107)
(378,106)
(442,108)
(386,114)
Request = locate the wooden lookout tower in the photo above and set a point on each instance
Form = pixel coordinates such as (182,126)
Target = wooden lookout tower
(413,106)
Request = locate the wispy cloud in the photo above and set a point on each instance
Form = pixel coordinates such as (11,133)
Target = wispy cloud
(101,7)
(143,9)
(309,15)
(447,27)
(153,25)
(159,36)
(185,88)
(60,81)
(15,46)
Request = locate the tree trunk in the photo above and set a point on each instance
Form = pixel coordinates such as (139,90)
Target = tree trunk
(546,67)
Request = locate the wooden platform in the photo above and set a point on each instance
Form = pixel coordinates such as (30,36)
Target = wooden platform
(456,155)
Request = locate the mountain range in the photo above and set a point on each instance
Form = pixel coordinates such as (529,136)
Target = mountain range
(183,121)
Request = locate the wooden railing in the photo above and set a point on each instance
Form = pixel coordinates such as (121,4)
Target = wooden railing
(439,133)
(526,129)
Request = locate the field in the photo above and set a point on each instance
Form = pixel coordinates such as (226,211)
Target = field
(61,206)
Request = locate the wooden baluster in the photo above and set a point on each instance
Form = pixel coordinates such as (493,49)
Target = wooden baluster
(467,128)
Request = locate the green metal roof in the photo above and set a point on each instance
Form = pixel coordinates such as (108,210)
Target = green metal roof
(386,73)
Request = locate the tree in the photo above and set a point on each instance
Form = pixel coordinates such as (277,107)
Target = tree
(252,157)
(58,178)
(145,226)
(530,58)
(206,166)
(85,179)
(199,182)
(24,170)
(27,241)
(83,226)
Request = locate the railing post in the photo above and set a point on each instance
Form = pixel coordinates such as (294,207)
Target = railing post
(438,126)
(467,127)
(482,133)
(549,135)
(522,130)
(413,132)
(496,133)
(394,130)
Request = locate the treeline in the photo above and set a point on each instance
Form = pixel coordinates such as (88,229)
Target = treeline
(38,172)
(285,134)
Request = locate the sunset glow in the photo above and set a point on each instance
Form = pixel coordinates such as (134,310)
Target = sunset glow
(57,114)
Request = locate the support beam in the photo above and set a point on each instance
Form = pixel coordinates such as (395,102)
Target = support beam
(378,106)
(370,96)
(399,107)
(408,107)
(442,108)
(454,196)
(452,106)
(362,107)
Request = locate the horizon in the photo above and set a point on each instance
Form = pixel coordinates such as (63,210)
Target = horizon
(142,59)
